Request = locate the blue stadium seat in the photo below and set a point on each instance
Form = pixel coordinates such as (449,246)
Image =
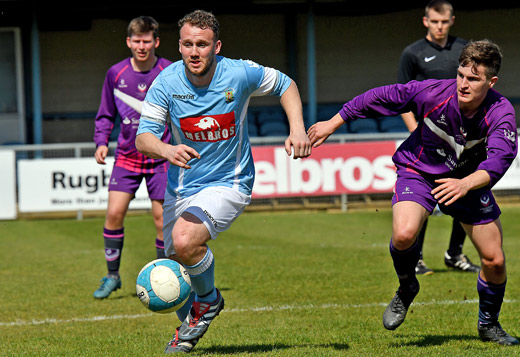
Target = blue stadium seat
(393,124)
(272,122)
(327,111)
(367,125)
(273,128)
(252,127)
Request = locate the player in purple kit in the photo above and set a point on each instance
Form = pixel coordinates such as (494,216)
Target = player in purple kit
(436,56)
(124,90)
(464,144)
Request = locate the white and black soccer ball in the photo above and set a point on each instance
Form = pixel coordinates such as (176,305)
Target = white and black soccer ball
(163,285)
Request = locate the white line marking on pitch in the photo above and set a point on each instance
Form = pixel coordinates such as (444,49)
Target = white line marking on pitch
(254,309)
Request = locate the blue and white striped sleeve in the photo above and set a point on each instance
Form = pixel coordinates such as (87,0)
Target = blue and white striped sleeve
(155,111)
(272,81)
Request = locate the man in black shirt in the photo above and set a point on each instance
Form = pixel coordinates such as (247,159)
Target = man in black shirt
(436,56)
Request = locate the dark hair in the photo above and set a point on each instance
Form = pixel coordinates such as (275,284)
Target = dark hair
(143,24)
(203,20)
(484,53)
(438,6)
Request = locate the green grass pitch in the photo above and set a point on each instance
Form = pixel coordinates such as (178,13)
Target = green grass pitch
(295,284)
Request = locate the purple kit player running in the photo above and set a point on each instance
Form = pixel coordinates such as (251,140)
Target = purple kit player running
(465,142)
(124,90)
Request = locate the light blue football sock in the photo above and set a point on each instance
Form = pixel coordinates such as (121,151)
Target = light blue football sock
(184,309)
(202,277)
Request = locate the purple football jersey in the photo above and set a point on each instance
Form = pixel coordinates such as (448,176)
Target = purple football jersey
(445,143)
(123,92)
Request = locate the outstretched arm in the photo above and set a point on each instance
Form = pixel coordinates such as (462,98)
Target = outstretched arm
(297,143)
(320,131)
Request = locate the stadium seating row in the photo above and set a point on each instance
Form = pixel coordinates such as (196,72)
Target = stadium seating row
(271,121)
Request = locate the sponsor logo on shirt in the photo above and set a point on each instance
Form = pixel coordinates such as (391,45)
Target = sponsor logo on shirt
(127,121)
(122,84)
(450,163)
(442,120)
(441,152)
(210,128)
(429,59)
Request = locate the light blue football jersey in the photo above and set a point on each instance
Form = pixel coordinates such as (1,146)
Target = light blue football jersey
(212,120)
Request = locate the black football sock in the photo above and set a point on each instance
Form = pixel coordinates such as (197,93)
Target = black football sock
(113,248)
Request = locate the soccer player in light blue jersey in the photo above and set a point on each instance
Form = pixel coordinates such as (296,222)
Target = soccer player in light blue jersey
(205,97)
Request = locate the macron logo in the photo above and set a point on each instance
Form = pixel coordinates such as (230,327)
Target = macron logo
(428,59)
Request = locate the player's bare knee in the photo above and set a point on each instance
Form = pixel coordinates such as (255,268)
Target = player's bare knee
(115,218)
(183,246)
(403,238)
(497,265)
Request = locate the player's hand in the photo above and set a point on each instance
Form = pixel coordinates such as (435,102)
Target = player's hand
(320,131)
(179,155)
(298,144)
(450,190)
(100,154)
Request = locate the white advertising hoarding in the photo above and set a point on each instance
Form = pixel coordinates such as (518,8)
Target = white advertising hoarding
(511,180)
(81,184)
(68,185)
(7,185)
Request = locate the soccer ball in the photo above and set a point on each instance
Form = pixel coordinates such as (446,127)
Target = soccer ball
(163,285)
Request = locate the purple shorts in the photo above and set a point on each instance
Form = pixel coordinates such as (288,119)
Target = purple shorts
(477,207)
(124,180)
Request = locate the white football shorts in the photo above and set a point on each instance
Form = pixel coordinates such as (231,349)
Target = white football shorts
(216,206)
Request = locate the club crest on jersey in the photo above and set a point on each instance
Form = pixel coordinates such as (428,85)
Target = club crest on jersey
(142,87)
(209,128)
(229,94)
